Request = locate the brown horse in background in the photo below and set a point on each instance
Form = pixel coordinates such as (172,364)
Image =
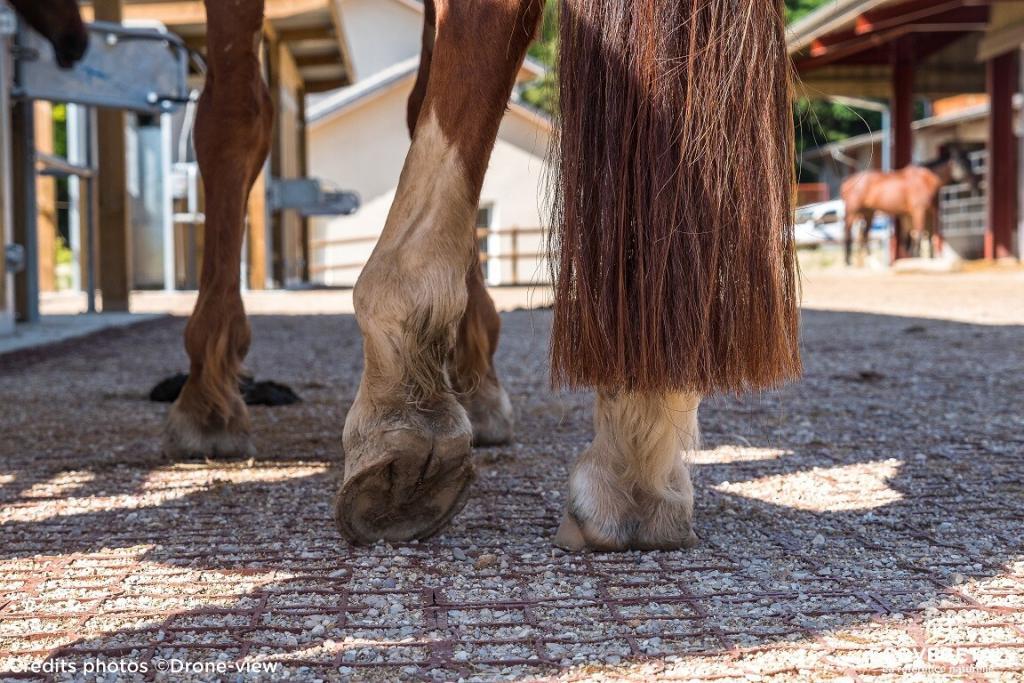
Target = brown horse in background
(673,280)
(909,193)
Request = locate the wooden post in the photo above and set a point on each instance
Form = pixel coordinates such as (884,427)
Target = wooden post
(257,237)
(902,60)
(1002,159)
(114,227)
(1020,158)
(46,202)
(256,206)
(285,81)
(515,256)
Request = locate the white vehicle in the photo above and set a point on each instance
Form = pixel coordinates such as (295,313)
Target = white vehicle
(823,223)
(819,223)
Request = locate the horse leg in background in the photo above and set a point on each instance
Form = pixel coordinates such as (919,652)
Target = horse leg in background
(671,284)
(864,242)
(901,234)
(407,438)
(931,232)
(232,139)
(849,222)
(918,231)
(473,376)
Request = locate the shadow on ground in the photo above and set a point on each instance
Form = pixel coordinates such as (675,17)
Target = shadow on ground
(866,520)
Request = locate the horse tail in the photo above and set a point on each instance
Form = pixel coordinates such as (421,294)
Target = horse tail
(675,266)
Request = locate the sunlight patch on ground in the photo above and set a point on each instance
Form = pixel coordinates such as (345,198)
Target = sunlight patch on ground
(198,477)
(159,487)
(168,602)
(733,453)
(862,486)
(59,485)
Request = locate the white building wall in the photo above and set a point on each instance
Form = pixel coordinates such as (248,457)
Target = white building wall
(364,148)
(516,184)
(380,33)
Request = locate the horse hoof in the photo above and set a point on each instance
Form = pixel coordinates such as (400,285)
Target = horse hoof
(186,438)
(490,412)
(576,536)
(407,471)
(607,516)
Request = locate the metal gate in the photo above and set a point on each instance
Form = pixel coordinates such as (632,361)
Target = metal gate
(963,216)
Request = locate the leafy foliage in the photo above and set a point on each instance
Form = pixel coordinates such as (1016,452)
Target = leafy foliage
(798,8)
(542,94)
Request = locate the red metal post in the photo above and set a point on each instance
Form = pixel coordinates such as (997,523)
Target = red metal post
(1003,82)
(902,60)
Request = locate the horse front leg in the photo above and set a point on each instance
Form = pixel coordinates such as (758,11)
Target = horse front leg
(918,232)
(863,247)
(849,222)
(472,371)
(407,438)
(232,139)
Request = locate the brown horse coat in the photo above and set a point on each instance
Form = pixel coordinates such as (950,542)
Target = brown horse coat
(910,192)
(901,193)
(676,277)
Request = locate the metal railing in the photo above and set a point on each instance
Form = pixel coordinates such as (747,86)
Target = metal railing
(48,165)
(961,212)
(513,256)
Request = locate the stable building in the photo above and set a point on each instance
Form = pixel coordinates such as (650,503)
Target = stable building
(359,138)
(904,50)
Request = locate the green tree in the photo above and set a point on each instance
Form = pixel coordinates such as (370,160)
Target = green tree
(798,8)
(820,122)
(542,93)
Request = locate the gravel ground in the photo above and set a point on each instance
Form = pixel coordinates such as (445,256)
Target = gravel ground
(864,523)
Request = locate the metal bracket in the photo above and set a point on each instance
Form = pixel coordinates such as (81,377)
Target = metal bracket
(308,197)
(137,69)
(14,254)
(8,22)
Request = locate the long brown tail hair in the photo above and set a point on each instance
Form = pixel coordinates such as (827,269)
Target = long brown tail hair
(674,259)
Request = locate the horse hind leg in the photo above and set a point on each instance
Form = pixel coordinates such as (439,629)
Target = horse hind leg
(232,140)
(407,438)
(918,231)
(650,307)
(631,488)
(472,371)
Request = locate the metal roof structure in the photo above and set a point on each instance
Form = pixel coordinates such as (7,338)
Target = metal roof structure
(846,47)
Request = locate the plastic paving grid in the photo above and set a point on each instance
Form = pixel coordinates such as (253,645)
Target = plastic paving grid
(911,568)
